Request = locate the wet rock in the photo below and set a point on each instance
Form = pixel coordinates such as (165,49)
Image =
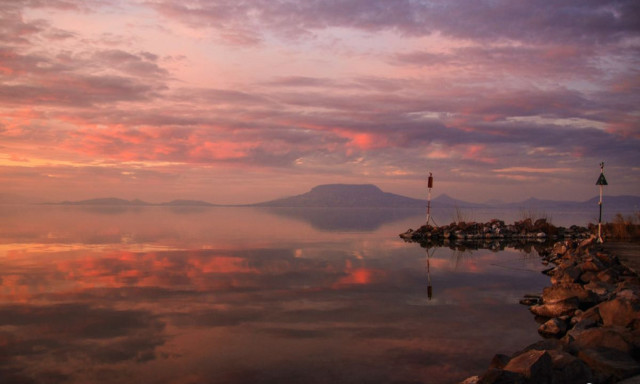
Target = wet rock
(533,365)
(553,327)
(557,309)
(613,363)
(565,291)
(529,301)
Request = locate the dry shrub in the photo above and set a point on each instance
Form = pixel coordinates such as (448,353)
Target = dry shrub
(624,227)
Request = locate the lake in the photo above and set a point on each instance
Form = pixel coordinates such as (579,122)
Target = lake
(250,295)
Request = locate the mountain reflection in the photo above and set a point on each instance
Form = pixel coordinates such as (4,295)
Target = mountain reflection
(149,297)
(346,219)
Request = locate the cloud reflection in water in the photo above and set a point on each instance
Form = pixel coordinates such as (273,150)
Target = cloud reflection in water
(293,305)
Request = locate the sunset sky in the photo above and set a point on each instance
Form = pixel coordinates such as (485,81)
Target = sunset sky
(239,101)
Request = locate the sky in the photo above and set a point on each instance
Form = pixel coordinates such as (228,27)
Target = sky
(240,101)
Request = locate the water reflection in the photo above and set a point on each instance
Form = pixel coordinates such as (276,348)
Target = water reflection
(155,297)
(430,252)
(347,219)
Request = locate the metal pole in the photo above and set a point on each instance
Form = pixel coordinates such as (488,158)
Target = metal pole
(429,186)
(602,181)
(429,207)
(600,218)
(429,287)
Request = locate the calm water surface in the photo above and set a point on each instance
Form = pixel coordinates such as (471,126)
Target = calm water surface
(244,295)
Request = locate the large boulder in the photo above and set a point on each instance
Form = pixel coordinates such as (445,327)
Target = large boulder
(613,363)
(619,311)
(561,292)
(602,290)
(500,376)
(471,380)
(499,361)
(559,248)
(557,309)
(535,366)
(617,338)
(610,275)
(568,369)
(568,274)
(553,327)
(592,264)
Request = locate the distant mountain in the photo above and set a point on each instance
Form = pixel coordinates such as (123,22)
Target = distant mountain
(113,201)
(188,203)
(623,204)
(368,195)
(345,195)
(446,201)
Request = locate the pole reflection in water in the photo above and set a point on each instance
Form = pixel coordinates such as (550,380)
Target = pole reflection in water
(430,253)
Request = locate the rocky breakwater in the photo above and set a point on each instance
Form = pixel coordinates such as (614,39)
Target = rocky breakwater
(495,231)
(589,316)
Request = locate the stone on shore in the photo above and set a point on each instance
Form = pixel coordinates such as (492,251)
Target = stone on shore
(568,369)
(553,327)
(564,291)
(619,311)
(556,309)
(617,338)
(533,365)
(613,363)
